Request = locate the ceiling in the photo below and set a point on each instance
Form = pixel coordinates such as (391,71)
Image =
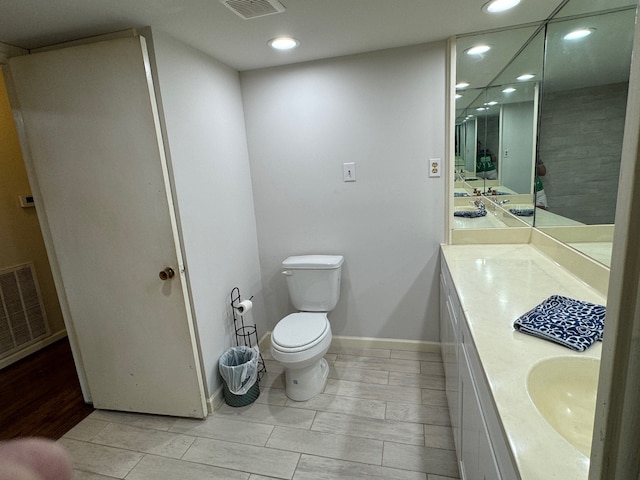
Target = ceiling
(600,59)
(325,28)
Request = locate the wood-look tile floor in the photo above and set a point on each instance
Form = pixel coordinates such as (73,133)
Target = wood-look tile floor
(382,415)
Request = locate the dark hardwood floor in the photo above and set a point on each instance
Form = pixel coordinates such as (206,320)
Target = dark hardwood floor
(40,395)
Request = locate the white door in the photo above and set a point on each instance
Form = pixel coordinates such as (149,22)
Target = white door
(94,148)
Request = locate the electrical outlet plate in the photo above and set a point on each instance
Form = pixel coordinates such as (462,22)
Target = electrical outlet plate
(434,167)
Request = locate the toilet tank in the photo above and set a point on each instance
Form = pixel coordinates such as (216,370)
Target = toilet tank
(313,281)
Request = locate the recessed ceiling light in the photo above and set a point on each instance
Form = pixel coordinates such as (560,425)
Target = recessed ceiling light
(491,103)
(509,90)
(481,109)
(526,76)
(477,50)
(462,85)
(580,33)
(283,43)
(497,6)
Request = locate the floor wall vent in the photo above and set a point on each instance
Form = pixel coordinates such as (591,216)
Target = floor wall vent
(22,317)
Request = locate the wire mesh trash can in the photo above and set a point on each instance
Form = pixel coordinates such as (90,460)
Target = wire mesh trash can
(239,370)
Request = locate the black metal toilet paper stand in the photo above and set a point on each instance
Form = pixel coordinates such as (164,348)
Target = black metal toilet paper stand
(246,335)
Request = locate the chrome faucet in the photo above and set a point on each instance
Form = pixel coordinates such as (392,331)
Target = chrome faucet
(478,203)
(502,202)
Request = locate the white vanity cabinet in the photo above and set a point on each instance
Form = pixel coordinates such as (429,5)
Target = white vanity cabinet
(449,314)
(476,458)
(480,444)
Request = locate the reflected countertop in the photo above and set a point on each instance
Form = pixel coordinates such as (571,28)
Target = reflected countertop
(546,218)
(488,221)
(496,284)
(600,251)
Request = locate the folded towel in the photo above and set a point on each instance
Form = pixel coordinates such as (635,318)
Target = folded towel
(470,213)
(572,323)
(522,212)
(460,194)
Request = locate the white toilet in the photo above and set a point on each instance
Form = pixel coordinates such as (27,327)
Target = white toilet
(300,340)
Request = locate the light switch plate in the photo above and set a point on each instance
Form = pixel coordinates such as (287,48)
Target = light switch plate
(434,167)
(349,172)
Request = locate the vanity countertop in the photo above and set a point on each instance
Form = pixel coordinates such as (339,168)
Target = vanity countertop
(496,284)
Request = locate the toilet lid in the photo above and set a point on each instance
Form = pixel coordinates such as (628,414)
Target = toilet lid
(299,329)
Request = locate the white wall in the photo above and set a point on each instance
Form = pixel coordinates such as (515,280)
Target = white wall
(517,126)
(470,144)
(203,112)
(385,112)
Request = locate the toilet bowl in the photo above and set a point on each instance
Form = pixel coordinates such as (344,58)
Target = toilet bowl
(299,342)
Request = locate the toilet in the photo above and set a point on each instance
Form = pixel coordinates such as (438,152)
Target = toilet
(300,340)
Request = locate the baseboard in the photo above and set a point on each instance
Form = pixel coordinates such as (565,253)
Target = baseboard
(265,342)
(215,401)
(370,342)
(385,343)
(34,347)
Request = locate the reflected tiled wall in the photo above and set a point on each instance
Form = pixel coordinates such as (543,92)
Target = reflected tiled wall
(581,143)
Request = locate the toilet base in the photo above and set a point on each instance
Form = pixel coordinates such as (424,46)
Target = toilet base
(305,383)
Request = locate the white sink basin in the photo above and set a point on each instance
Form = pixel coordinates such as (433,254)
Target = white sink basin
(564,389)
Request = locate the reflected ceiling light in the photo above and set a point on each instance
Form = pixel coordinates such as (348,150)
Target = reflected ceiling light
(283,43)
(458,96)
(580,33)
(462,85)
(491,103)
(526,76)
(509,90)
(477,50)
(497,6)
(481,109)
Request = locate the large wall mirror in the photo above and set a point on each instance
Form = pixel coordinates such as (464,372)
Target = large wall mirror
(540,119)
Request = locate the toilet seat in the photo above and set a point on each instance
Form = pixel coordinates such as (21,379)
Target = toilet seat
(300,331)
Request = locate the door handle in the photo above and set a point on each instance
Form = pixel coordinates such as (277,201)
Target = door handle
(167,273)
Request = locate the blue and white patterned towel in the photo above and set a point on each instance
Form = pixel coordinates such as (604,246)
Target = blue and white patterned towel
(522,212)
(572,323)
(469,213)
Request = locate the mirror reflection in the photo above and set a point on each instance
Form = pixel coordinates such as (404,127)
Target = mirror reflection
(540,118)
(582,113)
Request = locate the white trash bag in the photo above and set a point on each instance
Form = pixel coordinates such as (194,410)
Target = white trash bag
(239,368)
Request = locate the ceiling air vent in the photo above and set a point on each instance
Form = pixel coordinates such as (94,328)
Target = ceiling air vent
(248,9)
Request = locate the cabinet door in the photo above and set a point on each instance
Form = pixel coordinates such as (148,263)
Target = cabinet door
(449,348)
(487,466)
(477,461)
